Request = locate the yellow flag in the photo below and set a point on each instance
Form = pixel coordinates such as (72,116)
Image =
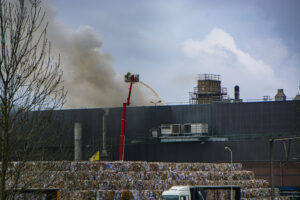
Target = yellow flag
(95,156)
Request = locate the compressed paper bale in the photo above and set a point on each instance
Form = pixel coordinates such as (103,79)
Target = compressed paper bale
(147,194)
(75,166)
(172,167)
(243,175)
(135,176)
(51,165)
(126,195)
(79,165)
(80,175)
(164,175)
(252,183)
(112,166)
(84,194)
(182,167)
(205,167)
(136,167)
(263,183)
(109,185)
(218,194)
(256,192)
(96,166)
(150,175)
(217,175)
(153,166)
(146,166)
(125,167)
(162,166)
(101,166)
(60,165)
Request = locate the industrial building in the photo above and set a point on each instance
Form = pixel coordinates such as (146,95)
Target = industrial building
(197,132)
(245,127)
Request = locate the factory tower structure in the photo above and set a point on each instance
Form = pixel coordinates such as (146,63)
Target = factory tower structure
(208,90)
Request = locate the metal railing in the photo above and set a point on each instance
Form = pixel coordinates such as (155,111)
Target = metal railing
(213,77)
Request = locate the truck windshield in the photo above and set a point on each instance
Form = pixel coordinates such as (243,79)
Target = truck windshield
(170,197)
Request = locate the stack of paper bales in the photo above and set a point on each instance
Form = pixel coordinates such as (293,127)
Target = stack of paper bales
(132,180)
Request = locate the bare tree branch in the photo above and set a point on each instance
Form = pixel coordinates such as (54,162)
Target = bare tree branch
(31,82)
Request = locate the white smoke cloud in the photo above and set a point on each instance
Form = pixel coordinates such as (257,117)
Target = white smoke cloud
(218,53)
(89,76)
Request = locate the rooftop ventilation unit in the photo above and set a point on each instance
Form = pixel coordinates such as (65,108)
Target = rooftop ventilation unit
(176,129)
(187,128)
(166,129)
(195,128)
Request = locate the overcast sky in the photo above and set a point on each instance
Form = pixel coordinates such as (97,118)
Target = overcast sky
(254,44)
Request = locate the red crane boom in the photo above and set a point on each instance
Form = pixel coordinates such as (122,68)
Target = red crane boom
(133,78)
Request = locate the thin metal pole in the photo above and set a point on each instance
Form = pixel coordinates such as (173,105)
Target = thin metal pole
(272,169)
(231,175)
(227,148)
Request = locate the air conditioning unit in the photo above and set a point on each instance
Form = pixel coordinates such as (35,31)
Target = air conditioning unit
(199,128)
(187,128)
(176,129)
(166,129)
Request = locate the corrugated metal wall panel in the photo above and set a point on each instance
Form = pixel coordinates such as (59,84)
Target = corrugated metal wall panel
(232,119)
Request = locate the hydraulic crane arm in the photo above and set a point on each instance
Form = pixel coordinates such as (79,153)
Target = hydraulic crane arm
(121,153)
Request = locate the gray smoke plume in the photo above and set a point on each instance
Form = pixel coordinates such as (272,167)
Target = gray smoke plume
(88,73)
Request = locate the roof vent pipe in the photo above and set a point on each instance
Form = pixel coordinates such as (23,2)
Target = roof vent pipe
(104,153)
(280,96)
(236,92)
(77,141)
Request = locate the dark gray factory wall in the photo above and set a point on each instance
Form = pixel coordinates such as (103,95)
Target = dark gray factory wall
(239,121)
(207,152)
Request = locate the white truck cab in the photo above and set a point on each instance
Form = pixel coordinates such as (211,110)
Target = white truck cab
(177,193)
(200,192)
